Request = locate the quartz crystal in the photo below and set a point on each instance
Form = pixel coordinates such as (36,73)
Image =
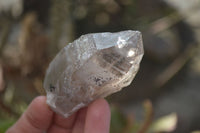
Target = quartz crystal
(93,66)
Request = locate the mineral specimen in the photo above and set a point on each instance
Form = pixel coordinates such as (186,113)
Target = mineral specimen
(93,66)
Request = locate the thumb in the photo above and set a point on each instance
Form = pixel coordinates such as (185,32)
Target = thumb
(36,119)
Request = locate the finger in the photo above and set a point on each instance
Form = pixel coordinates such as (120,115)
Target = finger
(98,117)
(66,123)
(36,119)
(80,121)
(61,124)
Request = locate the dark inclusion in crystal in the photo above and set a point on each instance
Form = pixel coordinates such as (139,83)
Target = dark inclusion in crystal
(51,88)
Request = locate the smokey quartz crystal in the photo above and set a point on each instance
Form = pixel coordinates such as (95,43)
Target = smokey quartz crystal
(93,66)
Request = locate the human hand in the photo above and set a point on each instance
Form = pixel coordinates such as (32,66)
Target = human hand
(39,118)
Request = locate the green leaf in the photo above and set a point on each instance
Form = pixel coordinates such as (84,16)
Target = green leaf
(5,124)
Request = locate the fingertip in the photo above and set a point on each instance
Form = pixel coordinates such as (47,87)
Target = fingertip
(39,113)
(39,99)
(99,107)
(39,104)
(66,123)
(98,117)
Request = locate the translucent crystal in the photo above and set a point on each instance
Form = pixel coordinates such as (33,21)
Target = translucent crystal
(93,66)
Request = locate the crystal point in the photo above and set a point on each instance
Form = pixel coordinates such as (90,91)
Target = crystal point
(93,66)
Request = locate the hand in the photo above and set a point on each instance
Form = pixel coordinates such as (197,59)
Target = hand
(39,118)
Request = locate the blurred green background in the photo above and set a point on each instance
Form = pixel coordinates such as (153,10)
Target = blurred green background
(165,95)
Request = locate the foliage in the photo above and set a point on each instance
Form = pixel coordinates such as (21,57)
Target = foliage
(5,124)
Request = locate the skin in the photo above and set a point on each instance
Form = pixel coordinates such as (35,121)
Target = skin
(39,118)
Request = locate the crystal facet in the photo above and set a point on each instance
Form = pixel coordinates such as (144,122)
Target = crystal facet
(93,66)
